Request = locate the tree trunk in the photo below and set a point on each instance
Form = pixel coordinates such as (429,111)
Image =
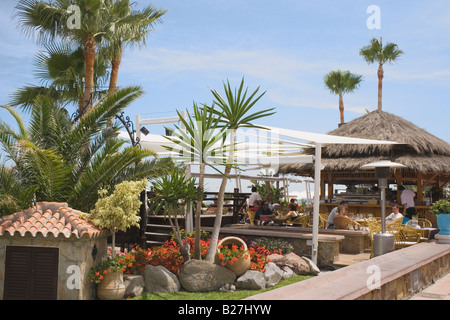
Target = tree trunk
(89,60)
(220,200)
(115,63)
(197,249)
(380,87)
(341,108)
(113,244)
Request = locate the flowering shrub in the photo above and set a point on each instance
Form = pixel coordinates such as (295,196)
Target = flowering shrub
(118,263)
(258,256)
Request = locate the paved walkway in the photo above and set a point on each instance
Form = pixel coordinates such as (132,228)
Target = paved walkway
(440,290)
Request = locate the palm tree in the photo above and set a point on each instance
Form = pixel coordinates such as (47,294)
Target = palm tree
(70,162)
(60,69)
(233,112)
(340,82)
(198,142)
(50,19)
(376,52)
(127,27)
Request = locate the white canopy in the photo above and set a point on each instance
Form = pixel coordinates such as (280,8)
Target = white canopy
(274,151)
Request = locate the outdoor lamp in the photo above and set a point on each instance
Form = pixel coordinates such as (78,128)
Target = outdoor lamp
(145,131)
(383,242)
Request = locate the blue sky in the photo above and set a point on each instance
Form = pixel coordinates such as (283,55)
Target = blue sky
(285,47)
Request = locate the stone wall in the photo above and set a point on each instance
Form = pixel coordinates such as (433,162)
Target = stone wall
(75,255)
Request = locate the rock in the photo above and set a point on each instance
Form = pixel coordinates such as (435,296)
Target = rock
(287,273)
(159,279)
(297,264)
(272,275)
(276,258)
(251,280)
(202,276)
(314,270)
(227,287)
(134,285)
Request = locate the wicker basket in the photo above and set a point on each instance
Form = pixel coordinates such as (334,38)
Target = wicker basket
(238,267)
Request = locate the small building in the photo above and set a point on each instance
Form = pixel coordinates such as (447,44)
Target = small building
(47,251)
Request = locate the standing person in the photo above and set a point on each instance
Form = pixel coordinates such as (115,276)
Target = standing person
(407,199)
(253,197)
(333,213)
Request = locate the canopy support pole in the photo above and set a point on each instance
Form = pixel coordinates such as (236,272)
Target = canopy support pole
(315,230)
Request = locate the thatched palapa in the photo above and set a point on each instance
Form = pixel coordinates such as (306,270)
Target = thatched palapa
(426,157)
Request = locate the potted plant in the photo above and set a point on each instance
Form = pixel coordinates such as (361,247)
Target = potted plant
(441,209)
(108,276)
(118,211)
(232,252)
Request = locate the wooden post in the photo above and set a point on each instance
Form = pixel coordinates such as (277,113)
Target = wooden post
(399,180)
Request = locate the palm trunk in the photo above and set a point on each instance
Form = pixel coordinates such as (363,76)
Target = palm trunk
(197,249)
(113,244)
(89,60)
(184,247)
(220,200)
(115,63)
(380,87)
(341,108)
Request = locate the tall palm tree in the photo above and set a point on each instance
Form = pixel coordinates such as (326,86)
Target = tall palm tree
(127,27)
(376,52)
(51,154)
(60,70)
(49,20)
(234,111)
(340,82)
(198,142)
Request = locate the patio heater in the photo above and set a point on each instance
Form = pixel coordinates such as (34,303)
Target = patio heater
(383,242)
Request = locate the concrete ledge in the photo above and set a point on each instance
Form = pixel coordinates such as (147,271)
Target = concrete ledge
(402,273)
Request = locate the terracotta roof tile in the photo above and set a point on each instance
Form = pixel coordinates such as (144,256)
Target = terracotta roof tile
(49,218)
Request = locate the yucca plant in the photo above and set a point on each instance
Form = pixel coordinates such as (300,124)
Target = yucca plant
(234,111)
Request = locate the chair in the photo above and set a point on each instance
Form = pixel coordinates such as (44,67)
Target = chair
(374,228)
(323,217)
(406,236)
(392,226)
(423,223)
(251,216)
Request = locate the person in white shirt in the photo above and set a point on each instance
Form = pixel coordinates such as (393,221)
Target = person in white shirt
(394,215)
(253,197)
(333,213)
(407,199)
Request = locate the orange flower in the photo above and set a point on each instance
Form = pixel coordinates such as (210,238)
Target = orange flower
(221,256)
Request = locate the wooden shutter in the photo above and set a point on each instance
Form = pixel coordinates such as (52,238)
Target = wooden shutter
(31,273)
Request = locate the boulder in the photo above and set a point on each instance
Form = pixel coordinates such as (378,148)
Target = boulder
(203,276)
(134,285)
(251,280)
(287,273)
(272,275)
(297,264)
(314,270)
(159,279)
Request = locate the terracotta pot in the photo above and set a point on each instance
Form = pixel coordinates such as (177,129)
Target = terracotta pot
(111,287)
(242,265)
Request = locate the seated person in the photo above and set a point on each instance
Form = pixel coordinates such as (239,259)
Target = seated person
(341,220)
(265,214)
(333,213)
(394,215)
(291,214)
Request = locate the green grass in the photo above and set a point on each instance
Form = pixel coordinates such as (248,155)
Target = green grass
(215,295)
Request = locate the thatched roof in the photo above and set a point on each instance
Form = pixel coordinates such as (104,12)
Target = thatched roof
(418,150)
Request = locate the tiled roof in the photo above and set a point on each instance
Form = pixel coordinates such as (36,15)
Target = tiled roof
(49,218)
